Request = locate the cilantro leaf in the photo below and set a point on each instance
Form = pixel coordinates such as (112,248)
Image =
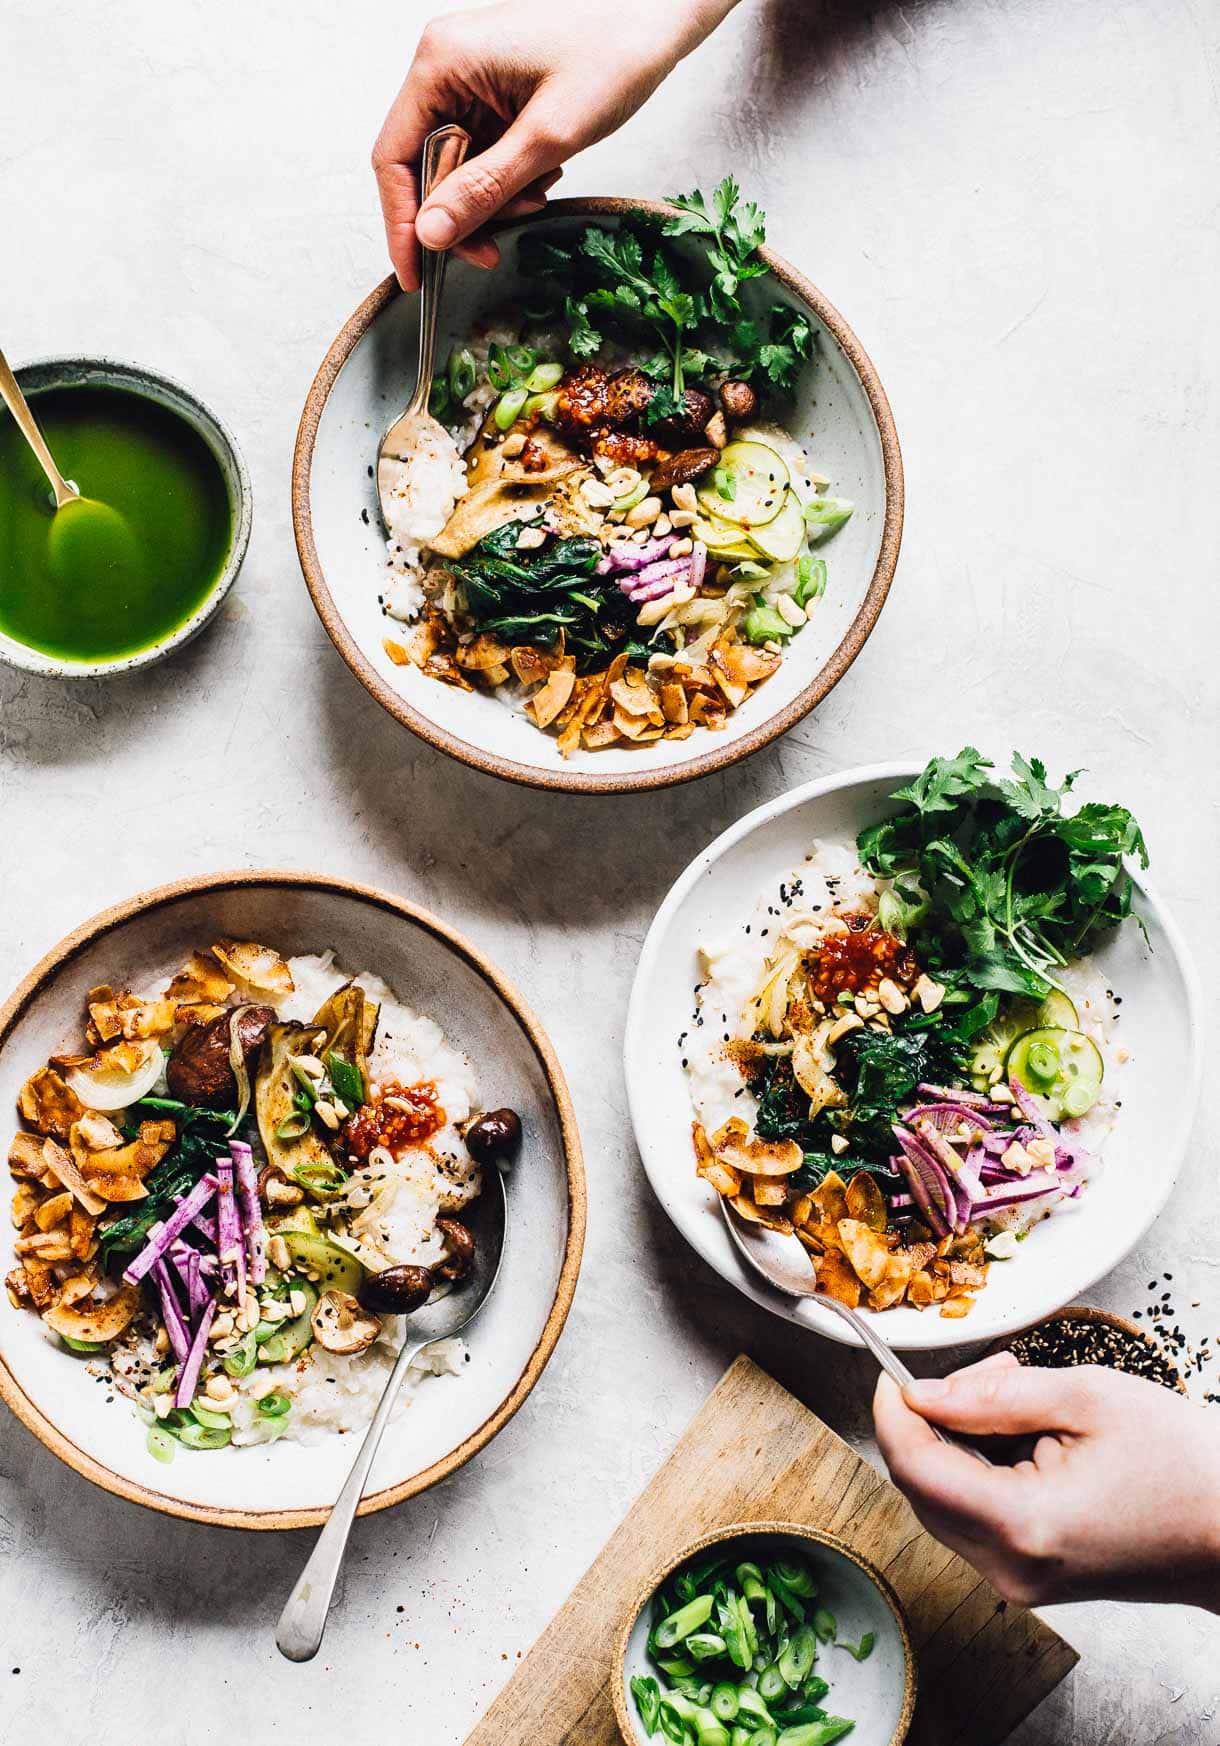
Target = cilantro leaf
(583,338)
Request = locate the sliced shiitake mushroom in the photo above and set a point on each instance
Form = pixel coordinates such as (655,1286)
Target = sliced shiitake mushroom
(459,1258)
(738,399)
(341,1323)
(200,1071)
(680,468)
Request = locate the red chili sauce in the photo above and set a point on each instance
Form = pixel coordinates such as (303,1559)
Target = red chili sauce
(401,1116)
(858,960)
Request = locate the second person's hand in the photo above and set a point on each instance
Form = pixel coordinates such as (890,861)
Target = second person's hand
(1120,1500)
(534,81)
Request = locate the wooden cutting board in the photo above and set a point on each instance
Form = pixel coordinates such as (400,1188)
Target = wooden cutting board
(755,1453)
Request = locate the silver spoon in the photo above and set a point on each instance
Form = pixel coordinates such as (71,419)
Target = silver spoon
(303,1620)
(783,1263)
(444,149)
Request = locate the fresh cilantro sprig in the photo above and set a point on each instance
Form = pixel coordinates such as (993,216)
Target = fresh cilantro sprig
(629,281)
(1002,887)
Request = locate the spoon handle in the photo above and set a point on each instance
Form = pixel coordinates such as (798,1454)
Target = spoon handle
(444,149)
(303,1620)
(17,404)
(894,1368)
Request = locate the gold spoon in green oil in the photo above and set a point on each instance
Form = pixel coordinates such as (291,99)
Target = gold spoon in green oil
(87,539)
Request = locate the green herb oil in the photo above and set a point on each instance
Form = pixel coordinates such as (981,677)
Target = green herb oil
(119,573)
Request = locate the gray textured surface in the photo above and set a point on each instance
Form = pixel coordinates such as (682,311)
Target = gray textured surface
(1014,204)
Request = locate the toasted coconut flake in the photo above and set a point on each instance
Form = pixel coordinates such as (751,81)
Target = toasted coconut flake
(136,1020)
(744,665)
(401,657)
(47,1103)
(769,1190)
(956,1307)
(200,980)
(61,1168)
(546,704)
(760,1157)
(601,734)
(258,967)
(484,653)
(53,1210)
(25,1155)
(80,1233)
(674,706)
(761,1215)
(867,1250)
(100,1322)
(836,1278)
(866,1202)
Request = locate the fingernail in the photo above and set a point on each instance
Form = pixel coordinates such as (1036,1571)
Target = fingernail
(435,228)
(927,1390)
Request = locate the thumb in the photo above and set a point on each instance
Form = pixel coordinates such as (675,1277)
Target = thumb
(1005,1400)
(475,193)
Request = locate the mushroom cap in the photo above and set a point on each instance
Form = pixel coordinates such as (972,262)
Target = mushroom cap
(342,1324)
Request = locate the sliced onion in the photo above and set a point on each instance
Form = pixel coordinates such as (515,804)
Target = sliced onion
(237,1061)
(98,1089)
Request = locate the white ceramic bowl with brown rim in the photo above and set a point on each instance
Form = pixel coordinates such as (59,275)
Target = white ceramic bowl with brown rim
(878,1693)
(839,412)
(432,969)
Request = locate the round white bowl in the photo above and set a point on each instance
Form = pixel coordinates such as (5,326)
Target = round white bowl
(110,373)
(1064,1254)
(879,1692)
(430,968)
(840,409)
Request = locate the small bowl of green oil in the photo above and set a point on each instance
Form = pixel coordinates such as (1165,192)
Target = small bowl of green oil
(139,565)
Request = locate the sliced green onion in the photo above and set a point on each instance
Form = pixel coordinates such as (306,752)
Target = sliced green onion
(861,1650)
(725,484)
(798,1578)
(679,1625)
(764,1736)
(163,1381)
(439,399)
(196,1436)
(724,1702)
(240,1361)
(771,1684)
(763,624)
(461,373)
(826,1625)
(294,1126)
(160,1444)
(810,580)
(210,1420)
(544,377)
(509,408)
(824,515)
(542,404)
(523,359)
(704,1645)
(86,1346)
(347,1080)
(321,1178)
(499,370)
(796,1658)
(274,1406)
(647,1695)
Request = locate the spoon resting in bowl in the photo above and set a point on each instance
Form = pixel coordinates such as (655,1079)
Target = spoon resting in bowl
(298,1635)
(415,429)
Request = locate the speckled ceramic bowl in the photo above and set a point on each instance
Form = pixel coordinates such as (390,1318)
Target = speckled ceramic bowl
(109,373)
(879,1693)
(839,411)
(435,971)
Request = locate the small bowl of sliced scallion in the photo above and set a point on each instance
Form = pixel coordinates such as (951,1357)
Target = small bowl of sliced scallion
(765,1634)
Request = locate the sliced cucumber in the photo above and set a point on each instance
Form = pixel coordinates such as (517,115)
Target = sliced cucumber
(722,539)
(293,1336)
(1062,1068)
(783,537)
(758,479)
(337,1268)
(992,1045)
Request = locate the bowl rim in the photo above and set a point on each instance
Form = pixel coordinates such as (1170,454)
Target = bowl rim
(895,772)
(739,1530)
(590,781)
(161,896)
(137,379)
